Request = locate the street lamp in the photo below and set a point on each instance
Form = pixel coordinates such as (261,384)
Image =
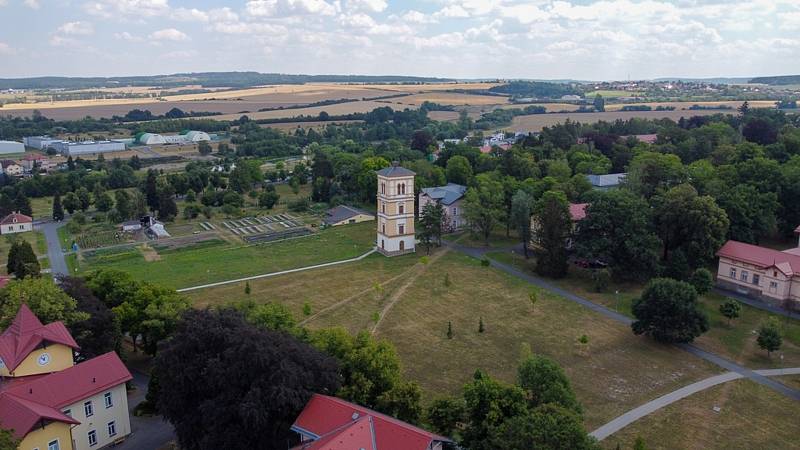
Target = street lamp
(616,294)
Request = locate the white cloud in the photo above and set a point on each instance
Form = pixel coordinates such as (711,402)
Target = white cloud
(169,34)
(6,49)
(789,20)
(126,8)
(33,4)
(366,5)
(418,17)
(189,15)
(280,8)
(452,11)
(125,36)
(76,29)
(180,54)
(3,3)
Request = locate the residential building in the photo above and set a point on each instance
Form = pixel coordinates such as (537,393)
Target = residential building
(344,214)
(451,197)
(396,211)
(332,423)
(8,147)
(16,223)
(11,168)
(51,403)
(32,160)
(607,181)
(762,273)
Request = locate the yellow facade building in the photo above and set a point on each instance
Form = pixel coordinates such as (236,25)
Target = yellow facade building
(396,211)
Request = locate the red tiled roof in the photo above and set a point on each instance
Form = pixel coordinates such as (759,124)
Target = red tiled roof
(26,333)
(21,415)
(70,385)
(577,211)
(339,425)
(34,157)
(762,257)
(21,218)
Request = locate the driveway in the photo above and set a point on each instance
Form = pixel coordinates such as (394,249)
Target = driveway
(58,264)
(147,433)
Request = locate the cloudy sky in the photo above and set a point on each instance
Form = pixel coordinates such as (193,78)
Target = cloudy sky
(579,39)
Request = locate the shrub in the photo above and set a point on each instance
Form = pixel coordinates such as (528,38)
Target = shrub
(485,262)
(601,279)
(702,280)
(299,205)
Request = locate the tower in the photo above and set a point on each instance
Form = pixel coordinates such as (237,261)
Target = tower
(395,211)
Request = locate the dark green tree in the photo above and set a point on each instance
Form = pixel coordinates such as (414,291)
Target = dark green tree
(459,170)
(84,198)
(553,226)
(103,202)
(22,204)
(431,219)
(599,103)
(22,261)
(58,210)
(544,381)
(521,212)
(731,309)
(151,190)
(71,202)
(483,205)
(702,280)
(547,427)
(769,336)
(668,311)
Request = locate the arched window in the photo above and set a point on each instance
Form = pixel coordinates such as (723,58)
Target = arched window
(402,207)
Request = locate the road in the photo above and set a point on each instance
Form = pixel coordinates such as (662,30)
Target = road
(691,348)
(147,433)
(58,264)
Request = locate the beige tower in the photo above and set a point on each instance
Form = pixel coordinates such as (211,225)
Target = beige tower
(395,211)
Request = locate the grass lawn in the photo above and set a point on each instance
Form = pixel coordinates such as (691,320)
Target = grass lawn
(614,373)
(736,341)
(35,238)
(751,417)
(217,260)
(498,239)
(42,207)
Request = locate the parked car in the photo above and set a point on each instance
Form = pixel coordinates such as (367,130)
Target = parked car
(591,264)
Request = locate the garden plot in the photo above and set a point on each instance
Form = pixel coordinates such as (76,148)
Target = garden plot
(265,228)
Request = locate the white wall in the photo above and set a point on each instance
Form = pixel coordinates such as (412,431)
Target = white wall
(99,421)
(393,244)
(12,228)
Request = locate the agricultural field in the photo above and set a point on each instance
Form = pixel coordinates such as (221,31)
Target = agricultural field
(333,110)
(451,98)
(218,260)
(291,126)
(750,416)
(625,370)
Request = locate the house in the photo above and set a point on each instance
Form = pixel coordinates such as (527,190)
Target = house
(16,223)
(607,181)
(646,138)
(11,168)
(344,214)
(153,227)
(451,197)
(762,273)
(47,401)
(331,423)
(396,211)
(32,160)
(577,211)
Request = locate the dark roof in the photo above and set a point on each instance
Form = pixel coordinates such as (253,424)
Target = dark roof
(342,212)
(447,194)
(333,423)
(395,171)
(43,397)
(25,333)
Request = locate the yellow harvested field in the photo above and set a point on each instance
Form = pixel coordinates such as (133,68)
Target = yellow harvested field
(453,98)
(337,109)
(290,126)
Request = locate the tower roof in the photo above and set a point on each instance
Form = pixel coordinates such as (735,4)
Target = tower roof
(25,333)
(395,171)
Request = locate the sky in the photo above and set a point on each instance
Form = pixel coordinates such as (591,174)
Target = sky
(540,39)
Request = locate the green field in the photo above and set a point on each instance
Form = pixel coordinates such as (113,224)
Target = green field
(736,341)
(218,260)
(615,372)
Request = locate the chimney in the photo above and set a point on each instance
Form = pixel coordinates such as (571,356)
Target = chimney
(395,163)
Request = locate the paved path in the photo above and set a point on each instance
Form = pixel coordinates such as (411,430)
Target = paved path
(691,348)
(652,406)
(757,303)
(147,433)
(58,265)
(275,274)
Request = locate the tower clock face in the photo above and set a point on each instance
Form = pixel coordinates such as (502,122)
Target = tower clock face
(44,359)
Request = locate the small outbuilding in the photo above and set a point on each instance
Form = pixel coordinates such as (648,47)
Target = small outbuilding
(343,214)
(16,223)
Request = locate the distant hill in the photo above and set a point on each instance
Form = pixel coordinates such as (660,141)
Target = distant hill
(206,79)
(718,80)
(777,81)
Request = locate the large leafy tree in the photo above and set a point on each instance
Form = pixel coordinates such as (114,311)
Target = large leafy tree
(691,225)
(668,311)
(752,214)
(43,297)
(431,220)
(651,173)
(547,427)
(488,403)
(58,210)
(483,205)
(254,382)
(7,440)
(22,261)
(617,230)
(100,332)
(544,381)
(150,314)
(554,225)
(459,170)
(521,212)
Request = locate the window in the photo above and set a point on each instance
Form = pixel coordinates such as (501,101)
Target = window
(107,400)
(401,229)
(402,207)
(53,445)
(112,429)
(744,276)
(383,188)
(88,409)
(756,279)
(92,438)
(68,412)
(733,272)
(383,228)
(455,211)
(773,287)
(383,207)
(775,273)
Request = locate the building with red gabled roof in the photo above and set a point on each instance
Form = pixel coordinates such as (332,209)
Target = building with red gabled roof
(759,272)
(51,403)
(330,423)
(32,160)
(16,223)
(577,211)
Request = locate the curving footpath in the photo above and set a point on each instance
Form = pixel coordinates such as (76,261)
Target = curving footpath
(668,399)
